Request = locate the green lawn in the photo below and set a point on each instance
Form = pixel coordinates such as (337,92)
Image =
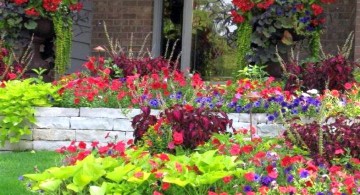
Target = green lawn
(15,164)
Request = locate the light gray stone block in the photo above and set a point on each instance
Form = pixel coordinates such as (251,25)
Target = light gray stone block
(269,130)
(56,111)
(123,124)
(91,123)
(101,113)
(233,116)
(99,135)
(243,117)
(50,145)
(133,112)
(27,137)
(43,122)
(238,125)
(20,146)
(260,118)
(53,134)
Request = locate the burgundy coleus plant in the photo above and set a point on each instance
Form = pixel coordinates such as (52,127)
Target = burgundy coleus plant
(342,134)
(190,126)
(142,122)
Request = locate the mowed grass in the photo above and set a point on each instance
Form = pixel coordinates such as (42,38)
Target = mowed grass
(15,164)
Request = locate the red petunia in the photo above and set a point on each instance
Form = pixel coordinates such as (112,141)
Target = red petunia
(317,9)
(51,5)
(32,12)
(249,176)
(178,138)
(227,179)
(20,2)
(235,150)
(82,145)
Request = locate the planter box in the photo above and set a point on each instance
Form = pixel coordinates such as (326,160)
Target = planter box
(56,127)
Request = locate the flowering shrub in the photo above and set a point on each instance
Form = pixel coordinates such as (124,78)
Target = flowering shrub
(278,24)
(17,15)
(221,166)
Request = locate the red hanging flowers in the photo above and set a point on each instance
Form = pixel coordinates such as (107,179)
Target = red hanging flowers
(51,5)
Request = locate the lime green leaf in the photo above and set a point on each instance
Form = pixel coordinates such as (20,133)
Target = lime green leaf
(50,185)
(119,172)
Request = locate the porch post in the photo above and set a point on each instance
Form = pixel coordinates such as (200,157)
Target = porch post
(157,26)
(186,35)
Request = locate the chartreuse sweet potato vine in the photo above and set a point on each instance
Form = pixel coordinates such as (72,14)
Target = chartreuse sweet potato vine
(17,102)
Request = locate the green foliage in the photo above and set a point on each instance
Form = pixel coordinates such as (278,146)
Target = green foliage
(133,176)
(315,45)
(244,43)
(253,72)
(17,100)
(63,31)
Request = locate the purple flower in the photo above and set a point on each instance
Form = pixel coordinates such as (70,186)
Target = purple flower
(288,169)
(21,178)
(320,193)
(265,180)
(304,173)
(271,117)
(290,178)
(154,103)
(247,188)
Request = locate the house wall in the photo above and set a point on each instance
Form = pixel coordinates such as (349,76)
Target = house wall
(123,18)
(340,21)
(136,16)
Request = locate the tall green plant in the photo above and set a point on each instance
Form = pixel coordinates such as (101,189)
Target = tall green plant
(244,43)
(63,32)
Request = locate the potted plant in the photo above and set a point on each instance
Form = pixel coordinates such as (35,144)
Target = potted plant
(276,25)
(41,18)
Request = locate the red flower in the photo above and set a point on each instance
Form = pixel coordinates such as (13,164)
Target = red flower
(139,174)
(348,86)
(120,147)
(335,93)
(163,157)
(165,186)
(83,154)
(32,12)
(20,2)
(286,161)
(235,150)
(76,7)
(237,18)
(317,9)
(249,176)
(157,193)
(82,145)
(227,179)
(178,138)
(244,5)
(178,167)
(51,5)
(94,144)
(71,148)
(247,149)
(11,76)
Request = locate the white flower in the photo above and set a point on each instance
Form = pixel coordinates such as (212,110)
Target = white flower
(313,91)
(305,95)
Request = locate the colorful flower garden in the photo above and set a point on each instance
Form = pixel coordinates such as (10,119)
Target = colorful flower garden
(191,146)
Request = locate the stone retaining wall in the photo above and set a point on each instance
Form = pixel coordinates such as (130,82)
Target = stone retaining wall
(56,127)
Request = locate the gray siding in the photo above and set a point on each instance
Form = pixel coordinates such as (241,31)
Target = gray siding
(81,39)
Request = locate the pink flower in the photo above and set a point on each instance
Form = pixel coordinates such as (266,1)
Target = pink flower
(178,138)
